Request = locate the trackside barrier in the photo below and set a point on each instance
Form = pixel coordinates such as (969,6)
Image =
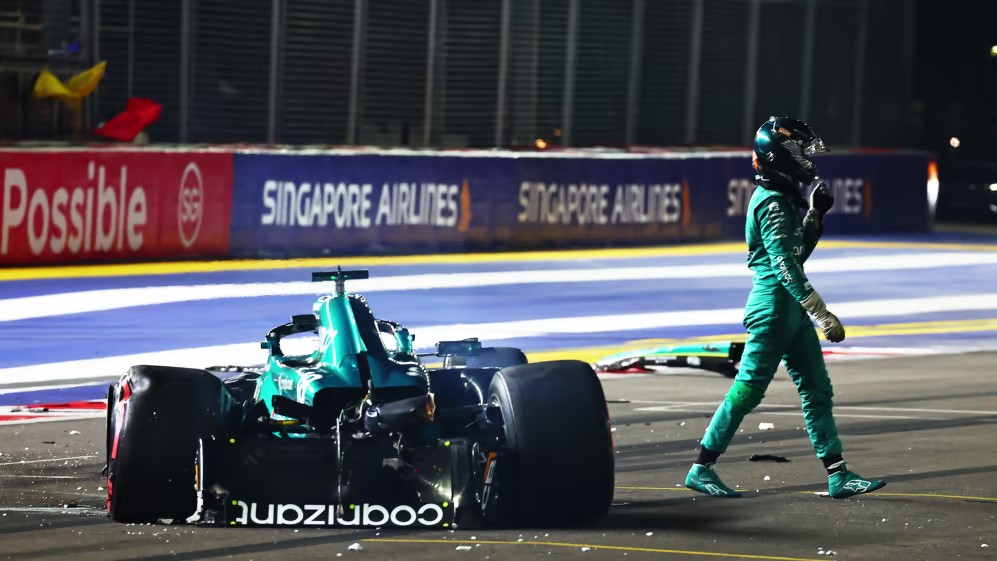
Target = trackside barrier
(294,204)
(113,205)
(83,206)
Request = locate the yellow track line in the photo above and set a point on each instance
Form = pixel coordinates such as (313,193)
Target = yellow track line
(910,245)
(593,546)
(176,267)
(169,268)
(873,494)
(592,354)
(923,327)
(936,496)
(683,489)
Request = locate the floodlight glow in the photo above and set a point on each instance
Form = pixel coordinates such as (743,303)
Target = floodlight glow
(932,187)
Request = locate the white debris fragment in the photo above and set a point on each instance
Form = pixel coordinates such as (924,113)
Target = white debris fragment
(355,547)
(519,540)
(100,488)
(682,424)
(463,548)
(649,534)
(766,426)
(586,548)
(767,478)
(884,520)
(612,429)
(984,545)
(165,521)
(339,555)
(476,537)
(74,432)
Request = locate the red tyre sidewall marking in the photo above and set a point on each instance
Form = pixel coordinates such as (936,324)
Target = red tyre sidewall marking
(119,411)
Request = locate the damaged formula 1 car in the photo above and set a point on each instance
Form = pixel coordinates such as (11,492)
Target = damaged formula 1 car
(722,358)
(361,432)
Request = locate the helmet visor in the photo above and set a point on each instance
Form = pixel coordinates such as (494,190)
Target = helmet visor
(815,146)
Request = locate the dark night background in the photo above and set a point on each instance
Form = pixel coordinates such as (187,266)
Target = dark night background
(955,78)
(952,90)
(955,96)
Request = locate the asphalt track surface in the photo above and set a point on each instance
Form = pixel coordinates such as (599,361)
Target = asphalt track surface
(918,409)
(924,424)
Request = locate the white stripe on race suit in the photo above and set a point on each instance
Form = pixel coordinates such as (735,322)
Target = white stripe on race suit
(116,298)
(489,333)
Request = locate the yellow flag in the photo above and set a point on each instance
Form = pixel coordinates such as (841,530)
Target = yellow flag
(84,83)
(77,88)
(50,86)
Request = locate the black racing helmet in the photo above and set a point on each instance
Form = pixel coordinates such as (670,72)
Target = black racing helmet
(785,147)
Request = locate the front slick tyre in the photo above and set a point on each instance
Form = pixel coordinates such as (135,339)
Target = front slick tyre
(153,436)
(557,468)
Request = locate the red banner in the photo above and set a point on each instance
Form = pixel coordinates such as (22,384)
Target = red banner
(90,206)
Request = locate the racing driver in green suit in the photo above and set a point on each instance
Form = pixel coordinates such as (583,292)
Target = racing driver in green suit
(780,308)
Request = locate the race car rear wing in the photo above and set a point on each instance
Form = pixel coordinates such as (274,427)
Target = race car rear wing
(340,277)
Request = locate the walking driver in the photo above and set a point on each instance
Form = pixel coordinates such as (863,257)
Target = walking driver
(780,306)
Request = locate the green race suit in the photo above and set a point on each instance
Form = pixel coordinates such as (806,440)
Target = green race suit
(779,329)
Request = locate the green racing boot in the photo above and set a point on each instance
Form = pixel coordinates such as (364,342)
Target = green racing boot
(848,483)
(703,479)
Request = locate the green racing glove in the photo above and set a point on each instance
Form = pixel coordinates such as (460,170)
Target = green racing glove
(828,322)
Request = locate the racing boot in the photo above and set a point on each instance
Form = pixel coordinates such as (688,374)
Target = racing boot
(847,483)
(702,478)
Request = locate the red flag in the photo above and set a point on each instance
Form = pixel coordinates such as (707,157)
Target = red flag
(138,114)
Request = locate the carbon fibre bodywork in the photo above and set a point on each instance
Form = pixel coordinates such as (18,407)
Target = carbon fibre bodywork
(722,358)
(357,432)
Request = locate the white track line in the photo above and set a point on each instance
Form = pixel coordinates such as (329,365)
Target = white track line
(43,419)
(25,389)
(21,476)
(48,460)
(666,405)
(88,510)
(111,299)
(672,409)
(490,333)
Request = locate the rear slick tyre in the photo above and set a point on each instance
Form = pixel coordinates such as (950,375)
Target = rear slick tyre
(557,466)
(160,414)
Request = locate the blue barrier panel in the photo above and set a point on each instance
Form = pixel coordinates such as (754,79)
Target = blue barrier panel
(874,194)
(317,204)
